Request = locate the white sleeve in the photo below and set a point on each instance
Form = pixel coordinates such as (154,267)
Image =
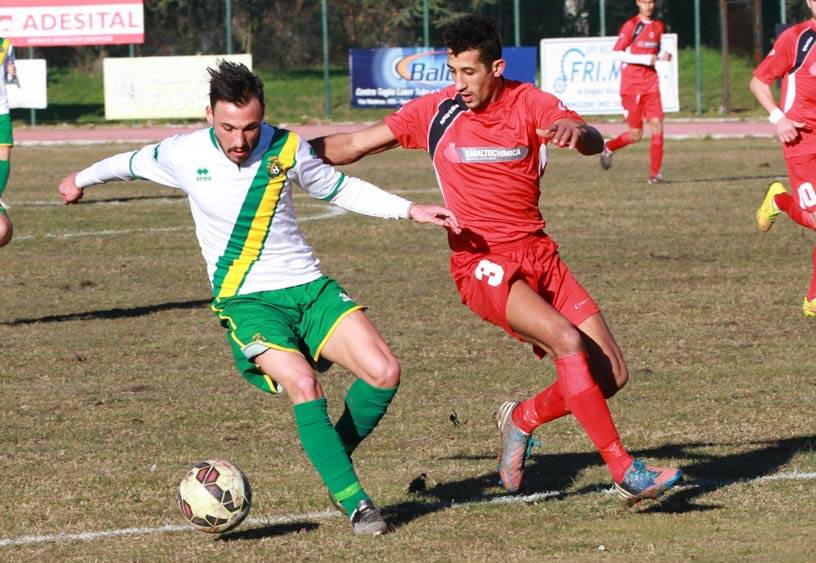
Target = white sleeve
(323,181)
(627,57)
(116,167)
(152,162)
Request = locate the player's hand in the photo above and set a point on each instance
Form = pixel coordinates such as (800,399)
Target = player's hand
(562,134)
(435,215)
(664,56)
(69,191)
(12,71)
(788,129)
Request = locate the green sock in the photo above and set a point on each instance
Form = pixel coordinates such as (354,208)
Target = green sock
(365,406)
(327,454)
(4,174)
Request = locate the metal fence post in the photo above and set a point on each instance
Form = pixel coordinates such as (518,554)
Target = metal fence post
(726,93)
(228,24)
(426,25)
(33,111)
(326,81)
(698,73)
(516,23)
(602,17)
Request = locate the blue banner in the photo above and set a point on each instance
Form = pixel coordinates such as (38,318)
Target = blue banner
(388,78)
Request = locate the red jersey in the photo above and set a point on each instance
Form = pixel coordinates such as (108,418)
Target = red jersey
(488,161)
(640,37)
(793,59)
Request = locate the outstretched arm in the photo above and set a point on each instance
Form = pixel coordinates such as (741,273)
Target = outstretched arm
(345,148)
(786,129)
(116,167)
(574,135)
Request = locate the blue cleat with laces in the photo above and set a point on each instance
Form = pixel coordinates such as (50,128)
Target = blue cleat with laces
(645,481)
(515,448)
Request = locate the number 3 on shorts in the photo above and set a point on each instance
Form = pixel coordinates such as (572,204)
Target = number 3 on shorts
(493,272)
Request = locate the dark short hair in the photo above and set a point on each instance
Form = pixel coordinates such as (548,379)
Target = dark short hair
(234,83)
(474,32)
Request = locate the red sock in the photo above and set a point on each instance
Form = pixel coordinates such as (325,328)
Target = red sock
(786,202)
(656,152)
(584,398)
(544,407)
(811,294)
(619,142)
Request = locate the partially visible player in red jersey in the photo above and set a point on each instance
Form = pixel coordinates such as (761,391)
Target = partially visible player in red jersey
(487,138)
(638,49)
(793,59)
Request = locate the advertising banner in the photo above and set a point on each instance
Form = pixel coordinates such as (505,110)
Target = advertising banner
(51,23)
(582,72)
(29,90)
(387,78)
(160,87)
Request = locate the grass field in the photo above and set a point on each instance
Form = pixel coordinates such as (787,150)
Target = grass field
(116,376)
(296,96)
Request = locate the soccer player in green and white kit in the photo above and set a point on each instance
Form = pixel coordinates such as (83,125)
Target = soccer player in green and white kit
(284,319)
(9,73)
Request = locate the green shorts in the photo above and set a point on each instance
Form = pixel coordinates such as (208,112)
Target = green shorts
(296,319)
(6,138)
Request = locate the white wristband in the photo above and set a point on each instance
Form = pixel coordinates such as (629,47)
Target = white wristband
(775,116)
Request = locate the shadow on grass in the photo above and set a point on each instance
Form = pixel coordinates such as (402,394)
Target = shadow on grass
(113,200)
(728,178)
(269,531)
(550,476)
(115,313)
(131,198)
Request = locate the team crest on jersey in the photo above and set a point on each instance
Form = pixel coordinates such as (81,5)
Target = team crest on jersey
(274,168)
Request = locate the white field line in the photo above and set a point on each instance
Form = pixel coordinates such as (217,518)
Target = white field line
(326,514)
(329,213)
(183,200)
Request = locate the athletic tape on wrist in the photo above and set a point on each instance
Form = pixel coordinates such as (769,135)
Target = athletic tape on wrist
(775,116)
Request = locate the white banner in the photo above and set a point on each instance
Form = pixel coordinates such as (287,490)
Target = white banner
(160,87)
(582,72)
(30,90)
(48,23)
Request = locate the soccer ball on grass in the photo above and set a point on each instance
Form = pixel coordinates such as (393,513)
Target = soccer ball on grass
(215,496)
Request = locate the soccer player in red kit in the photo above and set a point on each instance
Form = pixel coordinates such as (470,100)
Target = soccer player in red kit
(793,59)
(638,48)
(487,138)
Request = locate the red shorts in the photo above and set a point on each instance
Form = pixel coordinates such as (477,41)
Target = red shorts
(802,176)
(484,279)
(635,108)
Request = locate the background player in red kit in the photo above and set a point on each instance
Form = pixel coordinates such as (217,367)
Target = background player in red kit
(638,48)
(487,138)
(793,59)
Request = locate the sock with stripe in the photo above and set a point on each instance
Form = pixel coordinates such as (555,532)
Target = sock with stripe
(365,406)
(787,203)
(585,400)
(656,154)
(328,455)
(5,168)
(544,407)
(619,142)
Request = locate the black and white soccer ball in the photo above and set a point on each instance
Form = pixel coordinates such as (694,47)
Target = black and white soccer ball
(215,496)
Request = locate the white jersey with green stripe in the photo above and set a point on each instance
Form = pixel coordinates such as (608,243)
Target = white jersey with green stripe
(6,57)
(244,217)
